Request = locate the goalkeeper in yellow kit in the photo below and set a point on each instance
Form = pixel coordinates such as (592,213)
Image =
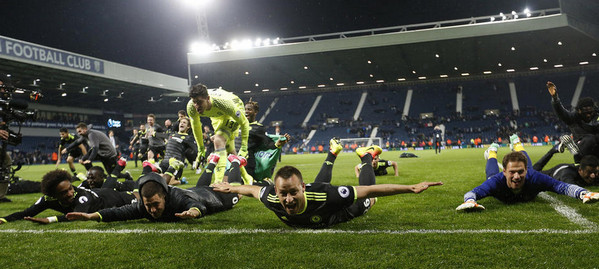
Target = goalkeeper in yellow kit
(227,113)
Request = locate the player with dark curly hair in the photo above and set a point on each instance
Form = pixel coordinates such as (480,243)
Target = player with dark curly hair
(62,196)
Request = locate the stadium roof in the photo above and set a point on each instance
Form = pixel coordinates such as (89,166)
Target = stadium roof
(561,39)
(71,79)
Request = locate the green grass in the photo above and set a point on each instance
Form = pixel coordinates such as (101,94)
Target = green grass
(201,243)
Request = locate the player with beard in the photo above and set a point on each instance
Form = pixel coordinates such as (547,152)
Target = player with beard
(163,203)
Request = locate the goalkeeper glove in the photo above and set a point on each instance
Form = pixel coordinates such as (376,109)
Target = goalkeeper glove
(470,205)
(201,158)
(589,197)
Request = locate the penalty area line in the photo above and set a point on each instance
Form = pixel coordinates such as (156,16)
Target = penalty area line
(298,231)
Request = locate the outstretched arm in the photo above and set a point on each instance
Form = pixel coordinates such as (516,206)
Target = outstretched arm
(392,189)
(246,190)
(83,216)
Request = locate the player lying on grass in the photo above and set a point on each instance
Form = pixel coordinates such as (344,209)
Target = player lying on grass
(320,204)
(583,174)
(62,196)
(518,182)
(160,202)
(379,165)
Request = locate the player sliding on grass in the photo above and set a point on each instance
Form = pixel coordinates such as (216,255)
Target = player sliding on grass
(160,202)
(518,182)
(62,196)
(320,204)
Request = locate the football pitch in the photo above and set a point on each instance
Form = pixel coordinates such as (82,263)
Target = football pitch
(402,231)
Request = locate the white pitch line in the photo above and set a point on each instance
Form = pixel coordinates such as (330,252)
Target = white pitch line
(298,231)
(568,212)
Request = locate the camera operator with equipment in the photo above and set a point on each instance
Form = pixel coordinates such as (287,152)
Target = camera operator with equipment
(11,110)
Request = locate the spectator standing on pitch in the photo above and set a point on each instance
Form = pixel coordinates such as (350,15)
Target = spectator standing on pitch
(438,139)
(114,141)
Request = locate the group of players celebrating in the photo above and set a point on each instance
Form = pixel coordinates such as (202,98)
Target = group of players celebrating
(228,175)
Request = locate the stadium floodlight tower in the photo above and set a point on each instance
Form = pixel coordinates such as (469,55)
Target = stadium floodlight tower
(199,6)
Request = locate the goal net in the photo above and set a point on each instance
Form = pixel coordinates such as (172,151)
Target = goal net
(362,142)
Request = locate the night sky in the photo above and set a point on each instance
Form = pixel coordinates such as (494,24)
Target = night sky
(156,34)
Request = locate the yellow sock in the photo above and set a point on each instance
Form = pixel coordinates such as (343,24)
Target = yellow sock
(518,147)
(247,178)
(492,154)
(221,166)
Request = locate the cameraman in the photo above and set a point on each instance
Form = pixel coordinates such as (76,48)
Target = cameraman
(6,161)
